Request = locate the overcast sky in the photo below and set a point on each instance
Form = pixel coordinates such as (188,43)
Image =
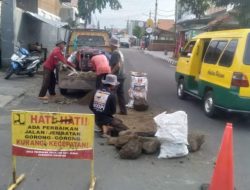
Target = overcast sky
(134,10)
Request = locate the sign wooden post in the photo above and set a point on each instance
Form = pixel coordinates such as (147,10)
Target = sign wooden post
(52,135)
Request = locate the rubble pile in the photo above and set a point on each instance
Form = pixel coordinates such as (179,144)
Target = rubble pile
(195,140)
(130,145)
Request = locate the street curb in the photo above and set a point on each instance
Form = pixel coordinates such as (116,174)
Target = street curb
(7,99)
(167,59)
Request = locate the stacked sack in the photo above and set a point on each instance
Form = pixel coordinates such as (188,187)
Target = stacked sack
(138,91)
(172,132)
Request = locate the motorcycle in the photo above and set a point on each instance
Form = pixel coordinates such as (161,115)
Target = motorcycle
(23,63)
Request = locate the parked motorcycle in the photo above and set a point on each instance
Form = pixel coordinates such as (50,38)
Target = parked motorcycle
(23,63)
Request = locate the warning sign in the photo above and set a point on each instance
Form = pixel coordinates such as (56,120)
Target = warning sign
(52,135)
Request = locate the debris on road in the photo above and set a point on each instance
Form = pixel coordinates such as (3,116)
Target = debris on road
(131,150)
(63,100)
(150,145)
(141,122)
(142,133)
(195,140)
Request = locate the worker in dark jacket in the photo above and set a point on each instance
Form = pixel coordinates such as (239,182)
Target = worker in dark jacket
(103,106)
(49,66)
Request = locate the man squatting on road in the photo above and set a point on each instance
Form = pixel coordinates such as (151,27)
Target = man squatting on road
(103,105)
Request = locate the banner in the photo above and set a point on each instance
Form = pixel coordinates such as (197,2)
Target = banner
(52,135)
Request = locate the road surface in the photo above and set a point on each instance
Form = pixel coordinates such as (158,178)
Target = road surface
(145,173)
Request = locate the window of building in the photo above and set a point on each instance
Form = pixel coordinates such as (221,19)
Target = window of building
(214,51)
(228,55)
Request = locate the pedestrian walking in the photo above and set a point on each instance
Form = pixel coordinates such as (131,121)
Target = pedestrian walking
(100,65)
(49,66)
(117,68)
(103,105)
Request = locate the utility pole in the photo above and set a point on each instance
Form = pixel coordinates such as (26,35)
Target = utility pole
(176,17)
(156,8)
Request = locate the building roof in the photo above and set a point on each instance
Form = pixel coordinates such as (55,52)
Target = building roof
(165,24)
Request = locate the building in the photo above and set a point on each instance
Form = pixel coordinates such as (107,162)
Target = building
(30,21)
(165,36)
(165,30)
(215,18)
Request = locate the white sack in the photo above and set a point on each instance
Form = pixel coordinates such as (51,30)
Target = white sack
(138,87)
(172,127)
(171,150)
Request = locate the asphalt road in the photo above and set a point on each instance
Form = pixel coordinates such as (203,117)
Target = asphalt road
(146,173)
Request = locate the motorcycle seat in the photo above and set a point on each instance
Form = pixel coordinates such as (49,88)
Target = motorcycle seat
(32,58)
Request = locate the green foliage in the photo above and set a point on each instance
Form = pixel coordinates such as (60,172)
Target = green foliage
(138,32)
(241,7)
(197,7)
(87,7)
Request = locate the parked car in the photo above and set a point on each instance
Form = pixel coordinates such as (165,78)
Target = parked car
(125,42)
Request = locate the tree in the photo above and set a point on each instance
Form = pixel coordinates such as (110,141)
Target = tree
(197,7)
(241,8)
(138,32)
(87,7)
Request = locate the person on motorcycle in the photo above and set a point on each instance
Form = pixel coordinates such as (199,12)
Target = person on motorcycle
(49,66)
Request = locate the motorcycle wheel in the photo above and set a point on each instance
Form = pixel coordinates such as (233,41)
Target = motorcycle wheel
(9,72)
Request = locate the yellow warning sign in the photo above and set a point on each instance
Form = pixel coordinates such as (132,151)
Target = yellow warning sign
(150,23)
(52,135)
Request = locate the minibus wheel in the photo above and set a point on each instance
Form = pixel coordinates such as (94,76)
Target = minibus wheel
(180,89)
(208,105)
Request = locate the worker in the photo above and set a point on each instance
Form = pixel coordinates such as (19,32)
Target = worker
(49,66)
(100,65)
(103,105)
(117,68)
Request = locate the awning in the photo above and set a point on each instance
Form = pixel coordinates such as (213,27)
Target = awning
(54,23)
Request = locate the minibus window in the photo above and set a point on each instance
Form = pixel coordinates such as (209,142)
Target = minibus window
(228,55)
(214,51)
(206,43)
(247,51)
(188,49)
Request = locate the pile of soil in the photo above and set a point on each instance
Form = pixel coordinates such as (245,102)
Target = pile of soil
(139,121)
(132,146)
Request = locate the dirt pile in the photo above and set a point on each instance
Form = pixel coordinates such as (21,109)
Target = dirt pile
(140,138)
(131,146)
